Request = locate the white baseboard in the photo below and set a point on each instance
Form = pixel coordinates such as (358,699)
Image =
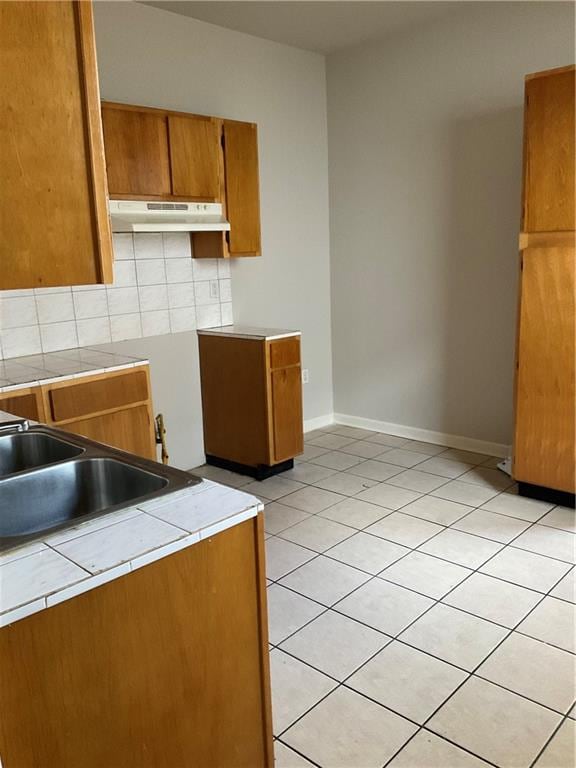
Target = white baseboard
(318,422)
(424,435)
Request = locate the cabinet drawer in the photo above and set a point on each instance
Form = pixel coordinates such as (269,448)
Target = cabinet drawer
(104,394)
(284,353)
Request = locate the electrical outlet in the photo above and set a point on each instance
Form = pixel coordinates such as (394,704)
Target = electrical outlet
(214,289)
(305,376)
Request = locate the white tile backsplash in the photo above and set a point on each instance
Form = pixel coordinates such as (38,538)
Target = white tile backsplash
(151,271)
(158,289)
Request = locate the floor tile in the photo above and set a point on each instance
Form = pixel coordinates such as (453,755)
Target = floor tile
(517,506)
(308,473)
(388,496)
(325,580)
(364,449)
(330,441)
(430,449)
(491,478)
(407,681)
(220,475)
(347,730)
(288,612)
(468,456)
(491,525)
(384,606)
(346,484)
(368,553)
(416,481)
(272,488)
(566,589)
(317,533)
(461,548)
(533,669)
(404,458)
(390,441)
(404,529)
(554,622)
(278,517)
(311,499)
(284,757)
(561,751)
(526,569)
(295,688)
(335,644)
(493,599)
(464,493)
(436,510)
(454,636)
(375,470)
(444,467)
(560,517)
(426,750)
(283,556)
(354,512)
(495,724)
(312,452)
(425,574)
(336,460)
(550,542)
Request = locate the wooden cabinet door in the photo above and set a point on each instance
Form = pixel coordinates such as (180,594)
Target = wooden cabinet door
(137,155)
(194,157)
(53,209)
(286,388)
(129,430)
(544,448)
(242,187)
(549,152)
(24,403)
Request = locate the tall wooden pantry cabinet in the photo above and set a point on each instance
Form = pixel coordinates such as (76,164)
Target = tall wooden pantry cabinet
(544,445)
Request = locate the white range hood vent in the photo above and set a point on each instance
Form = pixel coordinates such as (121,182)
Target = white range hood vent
(155,216)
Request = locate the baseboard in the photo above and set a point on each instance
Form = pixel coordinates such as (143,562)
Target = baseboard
(318,422)
(424,435)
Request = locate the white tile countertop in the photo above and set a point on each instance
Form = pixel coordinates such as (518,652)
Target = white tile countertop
(247,332)
(18,372)
(69,562)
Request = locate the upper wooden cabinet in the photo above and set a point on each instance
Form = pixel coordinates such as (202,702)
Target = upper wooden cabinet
(242,187)
(53,205)
(195,157)
(137,155)
(159,154)
(549,152)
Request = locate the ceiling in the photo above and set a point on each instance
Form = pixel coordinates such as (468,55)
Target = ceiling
(324,27)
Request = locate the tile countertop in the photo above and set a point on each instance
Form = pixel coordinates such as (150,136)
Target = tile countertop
(19,372)
(69,562)
(247,332)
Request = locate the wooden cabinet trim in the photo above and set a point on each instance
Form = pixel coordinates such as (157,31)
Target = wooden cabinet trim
(27,396)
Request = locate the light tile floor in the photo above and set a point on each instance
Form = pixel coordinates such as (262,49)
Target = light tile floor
(421,613)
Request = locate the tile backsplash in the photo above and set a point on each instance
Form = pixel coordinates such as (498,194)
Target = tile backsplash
(158,288)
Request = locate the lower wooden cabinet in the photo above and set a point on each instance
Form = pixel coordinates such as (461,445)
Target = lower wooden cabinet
(166,667)
(251,399)
(544,440)
(113,408)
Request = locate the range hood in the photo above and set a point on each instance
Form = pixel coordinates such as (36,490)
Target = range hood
(155,216)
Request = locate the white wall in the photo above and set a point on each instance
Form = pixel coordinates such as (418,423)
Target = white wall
(152,57)
(425,135)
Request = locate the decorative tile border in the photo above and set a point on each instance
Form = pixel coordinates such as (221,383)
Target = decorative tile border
(158,288)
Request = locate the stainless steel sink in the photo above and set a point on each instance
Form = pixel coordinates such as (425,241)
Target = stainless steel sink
(81,480)
(26,450)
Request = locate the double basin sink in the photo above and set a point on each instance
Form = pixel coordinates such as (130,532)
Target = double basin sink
(50,479)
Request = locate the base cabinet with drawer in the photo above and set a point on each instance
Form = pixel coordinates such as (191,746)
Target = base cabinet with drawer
(251,401)
(114,407)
